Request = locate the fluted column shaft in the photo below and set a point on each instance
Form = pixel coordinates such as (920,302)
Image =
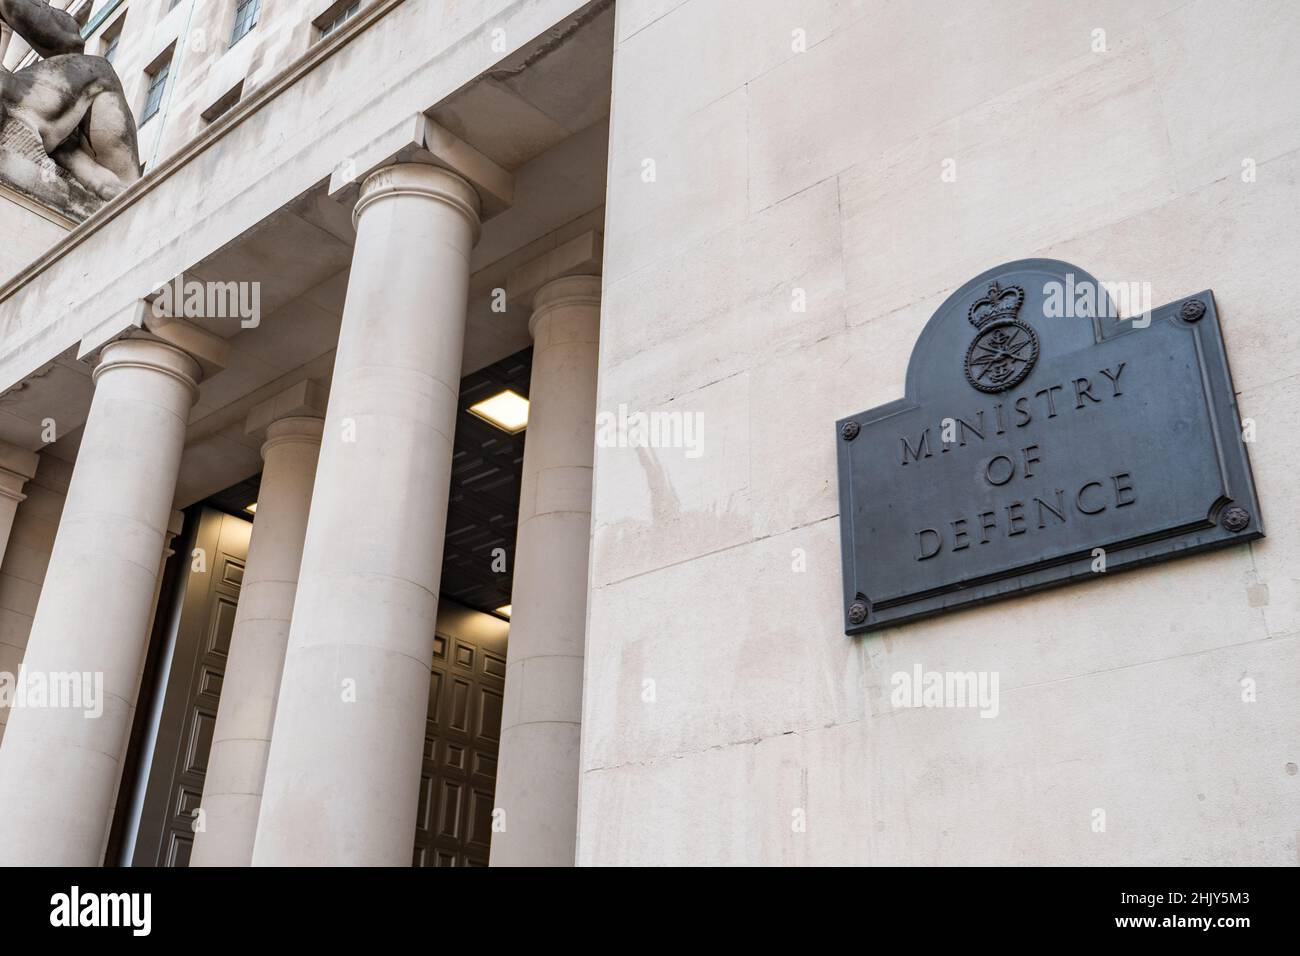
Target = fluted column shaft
(59,766)
(343,775)
(537,781)
(232,789)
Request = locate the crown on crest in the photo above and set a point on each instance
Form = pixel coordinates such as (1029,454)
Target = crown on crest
(999,305)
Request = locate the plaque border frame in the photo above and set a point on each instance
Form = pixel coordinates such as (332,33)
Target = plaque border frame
(1209,534)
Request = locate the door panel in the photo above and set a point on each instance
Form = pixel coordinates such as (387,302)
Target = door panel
(193,688)
(462,735)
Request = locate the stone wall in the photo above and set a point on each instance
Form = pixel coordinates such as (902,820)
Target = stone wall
(1145,718)
(28,227)
(205,68)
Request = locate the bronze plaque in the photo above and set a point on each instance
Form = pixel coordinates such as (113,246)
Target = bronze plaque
(1041,439)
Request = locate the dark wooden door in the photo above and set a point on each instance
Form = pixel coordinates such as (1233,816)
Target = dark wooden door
(462,736)
(462,733)
(192,690)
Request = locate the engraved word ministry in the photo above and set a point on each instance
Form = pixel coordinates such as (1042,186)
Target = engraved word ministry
(1022,513)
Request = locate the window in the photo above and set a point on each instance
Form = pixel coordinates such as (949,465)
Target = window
(157,86)
(335,18)
(109,38)
(245,19)
(224,104)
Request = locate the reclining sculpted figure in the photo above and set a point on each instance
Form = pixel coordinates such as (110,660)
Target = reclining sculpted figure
(72,102)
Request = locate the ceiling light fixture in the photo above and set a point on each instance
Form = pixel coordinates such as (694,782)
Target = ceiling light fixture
(507,410)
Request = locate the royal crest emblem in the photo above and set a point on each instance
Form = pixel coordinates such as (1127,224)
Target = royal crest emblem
(1005,349)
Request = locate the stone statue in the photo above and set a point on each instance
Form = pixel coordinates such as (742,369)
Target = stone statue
(72,103)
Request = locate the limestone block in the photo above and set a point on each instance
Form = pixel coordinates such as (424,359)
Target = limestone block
(27,564)
(793,396)
(580,255)
(53,474)
(14,627)
(729,806)
(696,188)
(909,67)
(1233,237)
(1160,748)
(1191,605)
(11,659)
(18,594)
(1275,462)
(728,42)
(1185,770)
(530,130)
(36,530)
(1228,83)
(737,645)
(766,286)
(29,228)
(655,506)
(907,232)
(635,15)
(303,398)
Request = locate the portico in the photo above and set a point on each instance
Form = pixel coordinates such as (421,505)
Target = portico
(437,244)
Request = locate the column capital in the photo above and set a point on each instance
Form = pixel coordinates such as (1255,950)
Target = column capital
(561,293)
(11,486)
(303,429)
(17,467)
(419,140)
(580,256)
(307,400)
(418,179)
(175,525)
(150,354)
(140,321)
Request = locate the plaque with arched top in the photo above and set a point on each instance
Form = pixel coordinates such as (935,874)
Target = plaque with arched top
(1047,434)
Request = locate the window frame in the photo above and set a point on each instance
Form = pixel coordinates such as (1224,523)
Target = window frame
(334,23)
(249,21)
(111,36)
(157,80)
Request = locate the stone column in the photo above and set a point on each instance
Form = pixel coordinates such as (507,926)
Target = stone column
(343,774)
(59,766)
(175,525)
(17,466)
(232,789)
(537,780)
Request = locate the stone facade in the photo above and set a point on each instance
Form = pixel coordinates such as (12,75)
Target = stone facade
(746,249)
(1169,158)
